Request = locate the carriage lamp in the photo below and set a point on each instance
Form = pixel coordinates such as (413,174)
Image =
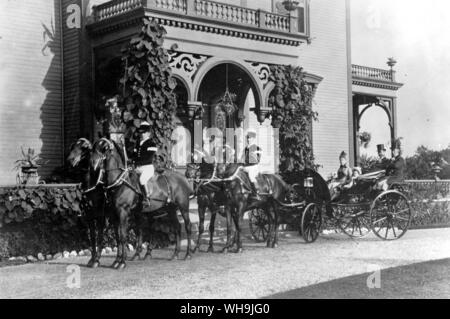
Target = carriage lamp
(309,182)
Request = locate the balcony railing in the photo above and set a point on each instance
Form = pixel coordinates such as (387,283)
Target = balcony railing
(205,10)
(365,72)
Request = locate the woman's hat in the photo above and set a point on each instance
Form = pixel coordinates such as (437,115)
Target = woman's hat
(343,155)
(397,144)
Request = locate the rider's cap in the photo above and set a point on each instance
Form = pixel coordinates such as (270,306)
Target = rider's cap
(145,127)
(380,147)
(251,133)
(343,155)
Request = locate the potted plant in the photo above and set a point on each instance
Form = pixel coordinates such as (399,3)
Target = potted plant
(27,167)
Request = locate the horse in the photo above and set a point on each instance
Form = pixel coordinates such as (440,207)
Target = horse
(272,192)
(169,191)
(79,158)
(210,195)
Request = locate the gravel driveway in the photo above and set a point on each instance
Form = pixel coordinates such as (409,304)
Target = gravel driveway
(255,273)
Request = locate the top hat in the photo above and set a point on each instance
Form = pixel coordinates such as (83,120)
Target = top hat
(380,147)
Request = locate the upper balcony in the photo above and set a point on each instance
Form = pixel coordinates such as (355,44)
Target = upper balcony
(373,77)
(207,16)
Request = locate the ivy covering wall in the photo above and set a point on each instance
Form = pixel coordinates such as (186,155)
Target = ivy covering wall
(292,113)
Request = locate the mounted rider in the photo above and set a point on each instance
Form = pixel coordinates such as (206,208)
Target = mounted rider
(144,155)
(252,158)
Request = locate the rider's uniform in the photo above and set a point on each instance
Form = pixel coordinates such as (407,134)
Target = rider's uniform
(252,158)
(144,161)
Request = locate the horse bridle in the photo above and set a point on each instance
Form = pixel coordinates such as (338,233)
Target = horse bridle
(122,177)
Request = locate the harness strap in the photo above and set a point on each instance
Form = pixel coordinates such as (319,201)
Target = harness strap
(99,181)
(120,180)
(169,190)
(269,184)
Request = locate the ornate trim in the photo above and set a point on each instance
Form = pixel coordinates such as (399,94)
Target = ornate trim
(261,70)
(186,64)
(134,17)
(377,84)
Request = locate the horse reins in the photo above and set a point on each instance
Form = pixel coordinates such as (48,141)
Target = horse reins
(122,179)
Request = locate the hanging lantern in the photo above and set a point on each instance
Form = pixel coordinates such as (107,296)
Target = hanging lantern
(227,102)
(262,115)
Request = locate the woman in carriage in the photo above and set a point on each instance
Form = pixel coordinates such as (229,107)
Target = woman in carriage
(343,177)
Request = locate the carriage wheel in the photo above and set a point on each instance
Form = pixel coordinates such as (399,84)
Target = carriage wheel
(355,225)
(259,225)
(390,215)
(311,223)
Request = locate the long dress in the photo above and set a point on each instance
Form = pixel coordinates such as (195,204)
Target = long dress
(396,171)
(344,176)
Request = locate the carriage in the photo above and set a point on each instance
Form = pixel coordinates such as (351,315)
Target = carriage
(356,212)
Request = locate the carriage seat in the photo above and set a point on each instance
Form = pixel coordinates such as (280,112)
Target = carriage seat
(372,176)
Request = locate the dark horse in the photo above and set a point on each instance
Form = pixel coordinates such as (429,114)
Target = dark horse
(79,158)
(169,191)
(210,194)
(273,191)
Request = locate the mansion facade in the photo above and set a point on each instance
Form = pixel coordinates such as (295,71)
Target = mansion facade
(60,57)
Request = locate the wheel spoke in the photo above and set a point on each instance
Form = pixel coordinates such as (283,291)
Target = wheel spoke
(353,227)
(401,212)
(380,220)
(401,218)
(393,230)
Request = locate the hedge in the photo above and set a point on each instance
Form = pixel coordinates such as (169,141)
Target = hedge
(50,219)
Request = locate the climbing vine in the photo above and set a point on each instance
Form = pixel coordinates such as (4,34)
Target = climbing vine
(292,113)
(147,87)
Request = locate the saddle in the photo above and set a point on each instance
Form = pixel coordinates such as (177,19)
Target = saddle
(153,200)
(251,188)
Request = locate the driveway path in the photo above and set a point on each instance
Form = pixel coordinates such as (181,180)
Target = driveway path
(257,272)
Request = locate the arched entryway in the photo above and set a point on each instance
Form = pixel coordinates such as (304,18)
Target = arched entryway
(218,81)
(373,115)
(239,82)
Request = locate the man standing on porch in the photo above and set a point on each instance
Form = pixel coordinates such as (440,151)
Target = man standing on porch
(252,157)
(144,155)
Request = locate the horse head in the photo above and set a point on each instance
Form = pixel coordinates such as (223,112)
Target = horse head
(79,151)
(102,150)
